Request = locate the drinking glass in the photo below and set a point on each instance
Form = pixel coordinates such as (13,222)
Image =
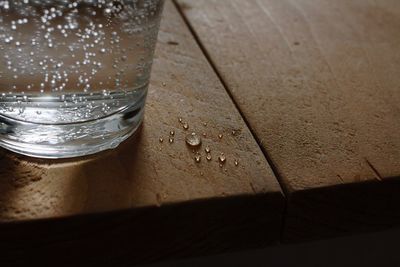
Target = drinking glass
(74,74)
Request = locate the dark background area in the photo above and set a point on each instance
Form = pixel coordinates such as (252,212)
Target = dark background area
(373,249)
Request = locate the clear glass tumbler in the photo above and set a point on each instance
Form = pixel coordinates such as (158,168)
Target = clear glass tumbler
(74,74)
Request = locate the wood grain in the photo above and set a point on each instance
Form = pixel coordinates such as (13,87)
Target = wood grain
(147,200)
(318,83)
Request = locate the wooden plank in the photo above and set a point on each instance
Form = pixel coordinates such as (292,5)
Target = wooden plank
(147,200)
(318,83)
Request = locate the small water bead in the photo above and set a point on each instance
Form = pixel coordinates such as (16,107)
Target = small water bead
(164,84)
(180,119)
(197,158)
(205,134)
(171,140)
(193,140)
(220,136)
(207,149)
(172,133)
(209,157)
(185,126)
(236,162)
(161,140)
(222,158)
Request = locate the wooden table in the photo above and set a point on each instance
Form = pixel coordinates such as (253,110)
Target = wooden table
(304,96)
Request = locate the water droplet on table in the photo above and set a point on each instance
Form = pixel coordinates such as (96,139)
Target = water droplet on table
(220,136)
(222,158)
(193,140)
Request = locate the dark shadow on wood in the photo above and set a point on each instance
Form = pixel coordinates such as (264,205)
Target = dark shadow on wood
(343,210)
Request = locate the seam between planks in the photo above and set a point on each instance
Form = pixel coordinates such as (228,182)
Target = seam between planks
(224,84)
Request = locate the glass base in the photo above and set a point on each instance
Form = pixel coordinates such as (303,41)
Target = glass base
(72,139)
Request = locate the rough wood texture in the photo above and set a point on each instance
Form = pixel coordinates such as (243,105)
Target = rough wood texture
(147,200)
(318,83)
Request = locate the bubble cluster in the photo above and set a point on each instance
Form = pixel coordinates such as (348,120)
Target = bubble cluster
(86,55)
